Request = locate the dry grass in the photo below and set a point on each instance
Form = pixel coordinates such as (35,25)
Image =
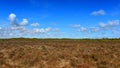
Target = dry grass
(53,53)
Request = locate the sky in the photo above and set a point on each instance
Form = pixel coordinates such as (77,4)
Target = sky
(60,18)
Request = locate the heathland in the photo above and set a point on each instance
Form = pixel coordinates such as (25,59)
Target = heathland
(59,53)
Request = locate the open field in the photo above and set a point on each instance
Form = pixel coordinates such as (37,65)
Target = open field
(59,53)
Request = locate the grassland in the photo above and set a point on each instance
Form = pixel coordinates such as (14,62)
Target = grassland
(59,53)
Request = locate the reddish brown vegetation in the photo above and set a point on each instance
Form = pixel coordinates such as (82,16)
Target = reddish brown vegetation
(51,53)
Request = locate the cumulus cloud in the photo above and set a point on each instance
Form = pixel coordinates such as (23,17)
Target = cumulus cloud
(6,32)
(35,24)
(12,18)
(103,25)
(110,24)
(40,30)
(102,29)
(17,29)
(24,22)
(82,29)
(114,23)
(99,12)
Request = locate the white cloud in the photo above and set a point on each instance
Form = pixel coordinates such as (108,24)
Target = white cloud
(116,31)
(5,32)
(35,24)
(99,12)
(110,24)
(17,29)
(24,22)
(82,29)
(114,22)
(40,30)
(12,18)
(102,25)
(0,28)
(48,29)
(94,29)
(75,25)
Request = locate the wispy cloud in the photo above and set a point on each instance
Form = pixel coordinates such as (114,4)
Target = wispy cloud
(99,12)
(35,24)
(75,25)
(94,29)
(82,29)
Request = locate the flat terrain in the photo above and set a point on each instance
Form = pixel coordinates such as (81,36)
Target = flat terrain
(59,53)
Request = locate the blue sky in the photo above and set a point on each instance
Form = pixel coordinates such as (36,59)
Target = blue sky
(60,18)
